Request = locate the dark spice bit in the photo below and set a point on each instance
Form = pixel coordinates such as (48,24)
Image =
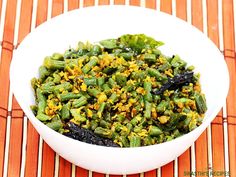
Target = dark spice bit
(87,136)
(175,82)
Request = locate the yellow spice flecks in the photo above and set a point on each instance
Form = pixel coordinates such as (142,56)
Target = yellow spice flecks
(83,87)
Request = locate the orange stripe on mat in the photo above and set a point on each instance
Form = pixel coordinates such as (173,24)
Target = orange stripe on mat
(15,148)
(181,9)
(201,154)
(217,147)
(133,175)
(216,129)
(151,4)
(152,173)
(48,161)
(73,4)
(3,124)
(57,7)
(119,2)
(0,9)
(232,145)
(25,19)
(96,174)
(229,37)
(15,142)
(31,164)
(42,10)
(32,151)
(166,6)
(64,168)
(103,2)
(115,175)
(4,87)
(197,18)
(167,170)
(184,163)
(183,160)
(4,73)
(88,3)
(65,165)
(81,172)
(134,2)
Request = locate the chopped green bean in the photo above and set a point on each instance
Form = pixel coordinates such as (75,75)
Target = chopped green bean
(65,111)
(43,117)
(41,101)
(69,96)
(135,141)
(93,61)
(79,102)
(53,64)
(103,132)
(154,131)
(90,81)
(55,125)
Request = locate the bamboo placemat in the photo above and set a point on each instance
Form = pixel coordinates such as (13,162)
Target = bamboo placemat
(23,152)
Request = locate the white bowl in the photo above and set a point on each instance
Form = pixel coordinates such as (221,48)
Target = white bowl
(94,24)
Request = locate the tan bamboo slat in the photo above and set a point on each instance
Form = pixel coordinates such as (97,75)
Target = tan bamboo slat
(134,2)
(229,50)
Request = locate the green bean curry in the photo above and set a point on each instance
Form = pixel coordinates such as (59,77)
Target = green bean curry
(119,92)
